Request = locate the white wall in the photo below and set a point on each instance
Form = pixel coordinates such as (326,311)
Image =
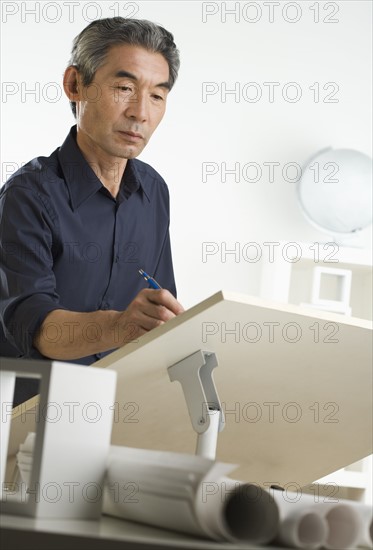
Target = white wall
(218,129)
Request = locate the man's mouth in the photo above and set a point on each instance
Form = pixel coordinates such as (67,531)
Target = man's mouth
(131,136)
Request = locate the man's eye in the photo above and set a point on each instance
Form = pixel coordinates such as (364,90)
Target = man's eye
(157,97)
(125,88)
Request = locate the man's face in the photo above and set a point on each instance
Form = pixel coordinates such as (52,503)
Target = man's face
(119,111)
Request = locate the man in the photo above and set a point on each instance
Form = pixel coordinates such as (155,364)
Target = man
(77,226)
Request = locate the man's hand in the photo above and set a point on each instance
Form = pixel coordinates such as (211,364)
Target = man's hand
(150,309)
(83,334)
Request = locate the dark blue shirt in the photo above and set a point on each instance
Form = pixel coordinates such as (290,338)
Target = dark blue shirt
(66,243)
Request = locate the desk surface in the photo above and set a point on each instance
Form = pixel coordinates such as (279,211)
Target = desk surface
(21,533)
(286,393)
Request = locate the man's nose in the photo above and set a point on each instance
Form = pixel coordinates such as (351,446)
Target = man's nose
(137,108)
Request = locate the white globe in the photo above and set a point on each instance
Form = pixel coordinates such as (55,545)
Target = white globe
(335,191)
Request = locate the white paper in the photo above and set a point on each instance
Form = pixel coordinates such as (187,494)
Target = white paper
(186,493)
(236,511)
(156,488)
(365,512)
(345,527)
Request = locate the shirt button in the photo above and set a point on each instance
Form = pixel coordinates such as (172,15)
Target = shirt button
(105,306)
(117,258)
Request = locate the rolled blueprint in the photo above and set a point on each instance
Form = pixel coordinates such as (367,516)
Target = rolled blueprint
(306,523)
(344,524)
(365,512)
(154,488)
(186,493)
(300,524)
(236,511)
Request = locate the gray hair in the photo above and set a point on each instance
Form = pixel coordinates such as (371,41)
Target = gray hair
(91,46)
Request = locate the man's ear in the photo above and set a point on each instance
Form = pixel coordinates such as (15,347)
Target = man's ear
(71,83)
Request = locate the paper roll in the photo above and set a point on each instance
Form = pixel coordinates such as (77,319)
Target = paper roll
(345,524)
(237,512)
(365,512)
(150,494)
(187,493)
(300,524)
(164,488)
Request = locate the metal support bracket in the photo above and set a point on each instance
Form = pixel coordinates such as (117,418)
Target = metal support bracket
(195,376)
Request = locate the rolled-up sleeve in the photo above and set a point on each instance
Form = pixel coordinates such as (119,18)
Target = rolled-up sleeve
(28,285)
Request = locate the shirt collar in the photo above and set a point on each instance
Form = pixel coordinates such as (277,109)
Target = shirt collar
(81,179)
